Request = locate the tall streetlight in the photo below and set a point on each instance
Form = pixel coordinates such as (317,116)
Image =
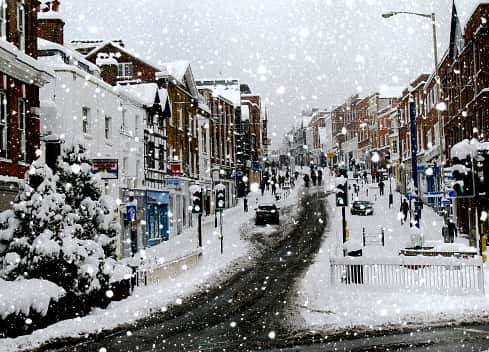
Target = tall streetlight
(440,106)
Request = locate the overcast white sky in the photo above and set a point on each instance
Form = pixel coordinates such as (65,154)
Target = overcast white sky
(296,53)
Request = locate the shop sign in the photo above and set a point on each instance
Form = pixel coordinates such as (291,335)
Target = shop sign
(108,169)
(153,197)
(173,183)
(131,213)
(175,168)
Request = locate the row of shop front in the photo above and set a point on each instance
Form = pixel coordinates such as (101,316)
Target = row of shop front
(162,215)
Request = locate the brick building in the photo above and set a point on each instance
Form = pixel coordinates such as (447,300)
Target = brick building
(21,78)
(361,113)
(465,87)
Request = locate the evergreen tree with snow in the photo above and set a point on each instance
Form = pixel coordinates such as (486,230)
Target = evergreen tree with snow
(32,232)
(83,193)
(60,229)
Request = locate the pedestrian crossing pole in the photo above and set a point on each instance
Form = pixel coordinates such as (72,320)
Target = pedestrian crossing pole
(221,235)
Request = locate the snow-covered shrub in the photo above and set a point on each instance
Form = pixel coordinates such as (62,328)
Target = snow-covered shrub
(60,229)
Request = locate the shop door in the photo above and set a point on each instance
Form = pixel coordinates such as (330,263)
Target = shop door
(164,229)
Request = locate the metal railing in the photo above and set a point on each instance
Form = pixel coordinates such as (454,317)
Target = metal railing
(373,239)
(445,275)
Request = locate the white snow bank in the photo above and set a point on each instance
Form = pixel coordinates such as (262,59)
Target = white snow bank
(25,296)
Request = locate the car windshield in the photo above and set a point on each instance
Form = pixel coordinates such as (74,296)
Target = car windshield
(267,207)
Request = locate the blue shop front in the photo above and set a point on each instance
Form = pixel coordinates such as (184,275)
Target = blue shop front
(157,225)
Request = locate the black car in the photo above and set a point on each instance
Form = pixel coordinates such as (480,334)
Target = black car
(267,214)
(362,207)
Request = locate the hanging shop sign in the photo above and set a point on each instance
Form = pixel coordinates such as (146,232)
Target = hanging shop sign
(175,168)
(108,169)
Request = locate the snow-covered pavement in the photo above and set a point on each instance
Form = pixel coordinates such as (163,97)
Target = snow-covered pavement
(335,308)
(147,300)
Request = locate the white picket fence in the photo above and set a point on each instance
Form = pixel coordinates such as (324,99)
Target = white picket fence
(444,275)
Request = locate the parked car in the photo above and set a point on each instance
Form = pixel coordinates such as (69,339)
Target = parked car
(267,214)
(362,207)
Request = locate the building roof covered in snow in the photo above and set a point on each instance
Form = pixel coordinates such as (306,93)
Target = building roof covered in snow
(390,91)
(144,92)
(158,66)
(70,56)
(226,88)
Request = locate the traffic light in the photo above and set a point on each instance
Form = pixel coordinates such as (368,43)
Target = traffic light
(197,202)
(463,183)
(220,196)
(342,194)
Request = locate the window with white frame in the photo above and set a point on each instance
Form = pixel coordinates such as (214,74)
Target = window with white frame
(138,171)
(108,127)
(3,19)
(21,113)
(3,125)
(124,120)
(125,163)
(204,139)
(136,125)
(21,24)
(124,70)
(86,119)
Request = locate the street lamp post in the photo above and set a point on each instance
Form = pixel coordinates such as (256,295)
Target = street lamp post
(438,107)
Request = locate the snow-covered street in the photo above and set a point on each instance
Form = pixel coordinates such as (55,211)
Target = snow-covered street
(332,308)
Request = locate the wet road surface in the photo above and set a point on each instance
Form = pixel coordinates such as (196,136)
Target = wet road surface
(248,311)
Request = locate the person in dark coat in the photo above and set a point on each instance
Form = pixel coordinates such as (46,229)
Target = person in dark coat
(313,177)
(320,177)
(245,204)
(404,209)
(306,180)
(452,231)
(381,187)
(296,175)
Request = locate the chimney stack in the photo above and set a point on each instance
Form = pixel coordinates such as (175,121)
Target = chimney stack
(50,26)
(108,68)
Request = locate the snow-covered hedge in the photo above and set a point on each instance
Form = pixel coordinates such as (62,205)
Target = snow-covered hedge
(26,296)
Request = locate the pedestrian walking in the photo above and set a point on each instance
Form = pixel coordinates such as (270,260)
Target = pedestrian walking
(245,204)
(274,188)
(306,180)
(296,175)
(404,209)
(452,231)
(381,187)
(313,177)
(320,177)
(262,187)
